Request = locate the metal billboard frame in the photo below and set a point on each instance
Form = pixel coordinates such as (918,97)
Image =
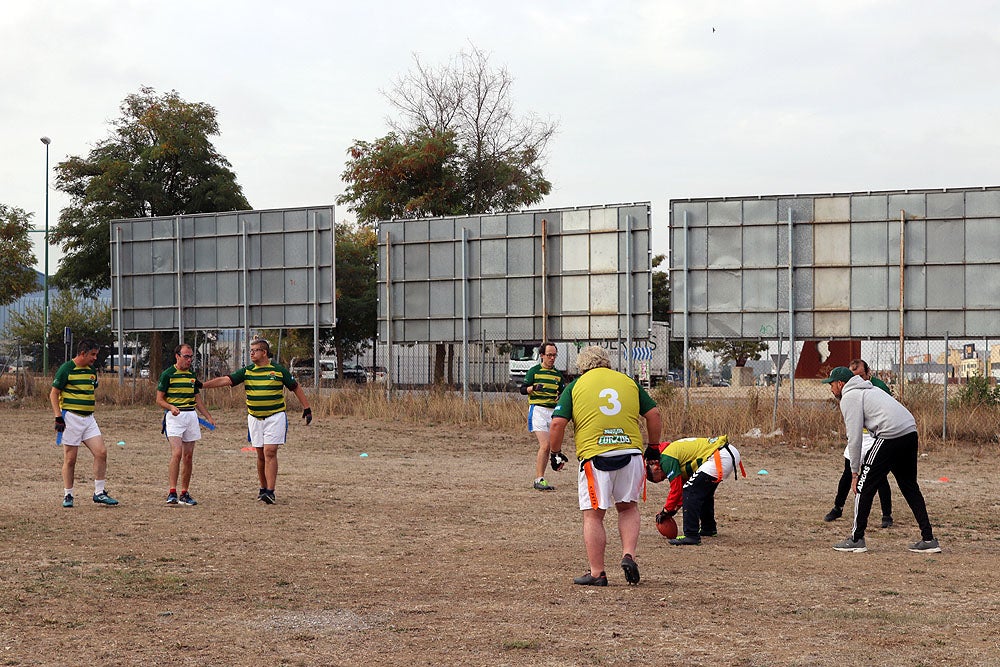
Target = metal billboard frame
(580,273)
(869,265)
(268,268)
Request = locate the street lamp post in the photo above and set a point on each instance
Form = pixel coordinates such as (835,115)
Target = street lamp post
(45,279)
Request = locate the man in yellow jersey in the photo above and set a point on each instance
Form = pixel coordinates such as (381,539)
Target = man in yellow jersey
(72,399)
(267,423)
(178,393)
(542,385)
(695,467)
(605,406)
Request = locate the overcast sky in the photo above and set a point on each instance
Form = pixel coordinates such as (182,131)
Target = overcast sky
(655,99)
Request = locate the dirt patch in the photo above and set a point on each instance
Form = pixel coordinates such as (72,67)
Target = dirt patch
(434,549)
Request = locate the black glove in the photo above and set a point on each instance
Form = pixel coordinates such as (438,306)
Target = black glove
(60,424)
(558,460)
(307,414)
(664,515)
(652,452)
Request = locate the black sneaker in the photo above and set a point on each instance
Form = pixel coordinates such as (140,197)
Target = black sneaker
(834,514)
(631,570)
(926,547)
(587,579)
(709,533)
(267,497)
(68,500)
(260,494)
(186,499)
(887,522)
(685,540)
(172,498)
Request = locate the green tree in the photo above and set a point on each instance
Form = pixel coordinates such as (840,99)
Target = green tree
(456,148)
(16,255)
(86,318)
(412,177)
(357,296)
(157,161)
(736,351)
(661,291)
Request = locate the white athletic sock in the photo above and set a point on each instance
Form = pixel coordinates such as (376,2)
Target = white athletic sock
(98,487)
(67,492)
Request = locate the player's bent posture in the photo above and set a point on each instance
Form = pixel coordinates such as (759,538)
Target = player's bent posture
(605,406)
(860,367)
(267,423)
(695,467)
(894,450)
(542,385)
(177,392)
(72,399)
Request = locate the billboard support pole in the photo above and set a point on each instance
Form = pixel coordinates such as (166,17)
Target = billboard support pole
(628,292)
(246,294)
(465,314)
(180,282)
(545,289)
(315,281)
(902,245)
(118,284)
(791,316)
(390,364)
(687,288)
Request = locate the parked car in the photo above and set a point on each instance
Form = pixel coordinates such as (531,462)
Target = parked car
(356,372)
(328,370)
(376,374)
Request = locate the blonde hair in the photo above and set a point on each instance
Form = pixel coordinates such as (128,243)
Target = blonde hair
(592,357)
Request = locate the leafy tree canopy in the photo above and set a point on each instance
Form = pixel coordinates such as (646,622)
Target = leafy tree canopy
(456,148)
(16,255)
(737,351)
(357,297)
(157,161)
(86,318)
(412,177)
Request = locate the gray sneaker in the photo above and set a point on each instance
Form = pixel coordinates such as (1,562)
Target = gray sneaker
(926,547)
(851,545)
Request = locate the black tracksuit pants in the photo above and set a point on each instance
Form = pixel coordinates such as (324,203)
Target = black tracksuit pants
(898,456)
(844,487)
(699,505)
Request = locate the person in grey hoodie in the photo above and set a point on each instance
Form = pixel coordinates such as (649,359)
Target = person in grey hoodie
(894,450)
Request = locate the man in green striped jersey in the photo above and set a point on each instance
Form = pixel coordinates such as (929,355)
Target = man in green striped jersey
(542,385)
(267,423)
(178,393)
(72,399)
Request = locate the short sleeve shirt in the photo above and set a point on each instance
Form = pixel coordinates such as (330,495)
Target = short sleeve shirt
(605,406)
(179,387)
(77,386)
(264,388)
(552,383)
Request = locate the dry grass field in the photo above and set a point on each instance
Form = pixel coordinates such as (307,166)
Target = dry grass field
(408,533)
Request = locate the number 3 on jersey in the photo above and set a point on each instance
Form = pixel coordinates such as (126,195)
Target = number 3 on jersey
(614,406)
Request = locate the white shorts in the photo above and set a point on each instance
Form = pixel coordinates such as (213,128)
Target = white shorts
(729,463)
(78,428)
(539,418)
(269,430)
(184,426)
(867,440)
(601,489)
